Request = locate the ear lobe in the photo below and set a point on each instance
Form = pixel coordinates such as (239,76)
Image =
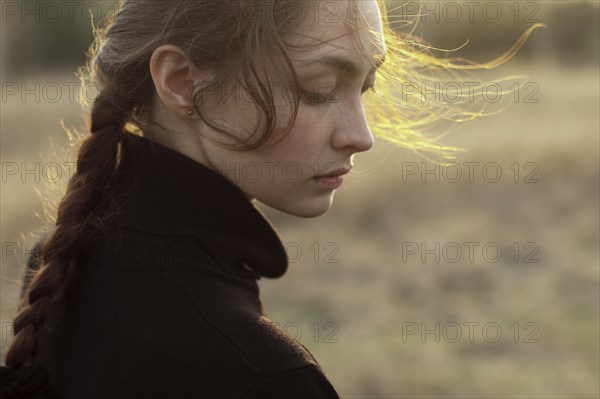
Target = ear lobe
(173,74)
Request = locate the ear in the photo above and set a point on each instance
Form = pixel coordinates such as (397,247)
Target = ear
(174,75)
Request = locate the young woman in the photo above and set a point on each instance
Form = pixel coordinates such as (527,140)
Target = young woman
(147,285)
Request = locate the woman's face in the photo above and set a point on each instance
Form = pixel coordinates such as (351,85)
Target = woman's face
(325,136)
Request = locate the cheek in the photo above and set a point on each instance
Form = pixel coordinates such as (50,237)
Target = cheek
(312,133)
(281,158)
(310,137)
(276,172)
(234,112)
(304,142)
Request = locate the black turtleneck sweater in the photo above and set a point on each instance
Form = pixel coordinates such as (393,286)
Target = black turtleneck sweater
(166,304)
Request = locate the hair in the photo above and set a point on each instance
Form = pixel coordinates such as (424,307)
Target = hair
(232,45)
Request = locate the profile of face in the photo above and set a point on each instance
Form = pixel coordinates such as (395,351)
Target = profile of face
(331,124)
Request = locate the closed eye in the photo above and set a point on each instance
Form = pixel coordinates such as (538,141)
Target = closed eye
(315,98)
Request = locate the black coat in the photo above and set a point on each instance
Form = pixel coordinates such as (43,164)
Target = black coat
(165,304)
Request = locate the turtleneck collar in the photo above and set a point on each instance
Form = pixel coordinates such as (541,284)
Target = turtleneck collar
(168,193)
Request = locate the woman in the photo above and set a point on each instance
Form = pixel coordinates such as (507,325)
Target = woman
(147,286)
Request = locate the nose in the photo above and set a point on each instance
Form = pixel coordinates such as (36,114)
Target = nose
(352,131)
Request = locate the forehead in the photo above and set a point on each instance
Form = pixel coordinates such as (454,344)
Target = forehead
(334,26)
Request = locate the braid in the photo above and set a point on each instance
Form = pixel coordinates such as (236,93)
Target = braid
(86,192)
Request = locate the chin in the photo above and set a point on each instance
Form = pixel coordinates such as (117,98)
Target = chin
(308,208)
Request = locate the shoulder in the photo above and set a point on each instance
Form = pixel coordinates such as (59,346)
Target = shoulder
(300,383)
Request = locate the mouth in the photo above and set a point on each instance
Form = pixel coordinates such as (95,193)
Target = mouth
(335,174)
(329,183)
(332,180)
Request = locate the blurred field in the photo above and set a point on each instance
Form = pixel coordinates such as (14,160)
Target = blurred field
(371,293)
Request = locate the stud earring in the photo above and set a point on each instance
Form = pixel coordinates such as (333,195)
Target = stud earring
(190,112)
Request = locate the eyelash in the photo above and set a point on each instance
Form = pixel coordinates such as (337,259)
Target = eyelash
(317,98)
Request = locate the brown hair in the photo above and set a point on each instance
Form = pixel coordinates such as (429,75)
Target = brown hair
(229,37)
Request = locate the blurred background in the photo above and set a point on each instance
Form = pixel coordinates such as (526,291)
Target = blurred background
(480,279)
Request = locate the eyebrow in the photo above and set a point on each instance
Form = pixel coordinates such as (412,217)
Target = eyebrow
(344,64)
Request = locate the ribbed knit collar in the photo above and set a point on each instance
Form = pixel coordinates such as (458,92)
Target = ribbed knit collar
(168,193)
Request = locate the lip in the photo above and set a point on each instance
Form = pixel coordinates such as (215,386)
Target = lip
(336,173)
(329,183)
(332,180)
